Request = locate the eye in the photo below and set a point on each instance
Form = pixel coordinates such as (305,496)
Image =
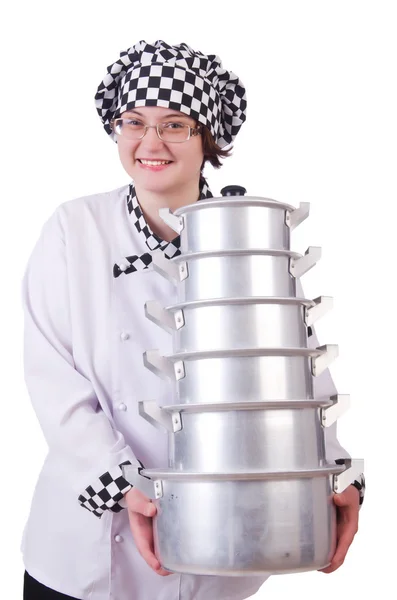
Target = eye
(133,122)
(173,125)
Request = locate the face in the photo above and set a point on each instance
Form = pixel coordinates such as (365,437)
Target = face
(185,158)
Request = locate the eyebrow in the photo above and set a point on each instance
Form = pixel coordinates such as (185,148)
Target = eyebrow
(179,115)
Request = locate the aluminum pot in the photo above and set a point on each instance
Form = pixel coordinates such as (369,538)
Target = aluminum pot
(236,437)
(223,223)
(243,523)
(242,375)
(238,322)
(235,273)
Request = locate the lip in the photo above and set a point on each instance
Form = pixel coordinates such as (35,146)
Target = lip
(153,167)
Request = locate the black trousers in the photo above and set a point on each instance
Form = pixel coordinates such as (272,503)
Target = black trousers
(33,590)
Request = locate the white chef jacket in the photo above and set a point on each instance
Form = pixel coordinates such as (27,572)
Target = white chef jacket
(85,334)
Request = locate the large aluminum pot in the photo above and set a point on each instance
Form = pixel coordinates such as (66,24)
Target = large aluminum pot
(238,322)
(224,223)
(243,523)
(243,375)
(260,436)
(235,273)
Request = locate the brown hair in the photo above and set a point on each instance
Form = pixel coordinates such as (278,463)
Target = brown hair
(212,152)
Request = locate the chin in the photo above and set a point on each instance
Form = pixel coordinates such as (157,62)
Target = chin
(153,183)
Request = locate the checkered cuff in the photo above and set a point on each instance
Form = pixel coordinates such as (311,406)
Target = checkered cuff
(107,492)
(358,484)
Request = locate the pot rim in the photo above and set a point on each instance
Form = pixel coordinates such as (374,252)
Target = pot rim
(171,474)
(247,201)
(248,406)
(247,352)
(236,252)
(245,300)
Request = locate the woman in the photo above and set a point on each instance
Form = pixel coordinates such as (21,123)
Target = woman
(170,109)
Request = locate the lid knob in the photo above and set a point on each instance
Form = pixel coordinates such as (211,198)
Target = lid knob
(233,190)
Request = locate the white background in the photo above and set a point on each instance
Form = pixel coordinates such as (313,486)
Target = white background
(321,127)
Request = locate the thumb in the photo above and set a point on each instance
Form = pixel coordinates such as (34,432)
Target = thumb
(341,499)
(138,502)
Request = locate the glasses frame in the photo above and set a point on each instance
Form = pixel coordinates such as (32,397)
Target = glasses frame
(193,131)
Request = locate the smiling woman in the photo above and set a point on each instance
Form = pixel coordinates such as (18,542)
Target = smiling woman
(169,109)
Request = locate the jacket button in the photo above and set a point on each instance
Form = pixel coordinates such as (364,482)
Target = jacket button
(124,335)
(118,538)
(122,406)
(123,266)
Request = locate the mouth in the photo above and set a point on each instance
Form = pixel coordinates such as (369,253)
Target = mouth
(154,165)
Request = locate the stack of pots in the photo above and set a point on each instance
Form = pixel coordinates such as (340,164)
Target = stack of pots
(248,489)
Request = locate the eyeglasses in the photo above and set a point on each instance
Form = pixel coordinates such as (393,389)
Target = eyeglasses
(173,132)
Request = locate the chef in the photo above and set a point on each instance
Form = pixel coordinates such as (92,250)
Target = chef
(89,536)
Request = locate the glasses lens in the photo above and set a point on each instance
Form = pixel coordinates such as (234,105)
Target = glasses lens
(130,128)
(174,132)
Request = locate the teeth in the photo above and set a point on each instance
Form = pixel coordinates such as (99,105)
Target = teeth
(155,163)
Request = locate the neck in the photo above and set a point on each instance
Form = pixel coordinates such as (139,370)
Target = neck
(150,203)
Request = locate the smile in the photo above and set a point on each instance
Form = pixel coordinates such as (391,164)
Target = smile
(154,163)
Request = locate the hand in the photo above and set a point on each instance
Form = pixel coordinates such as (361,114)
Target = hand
(347,507)
(140,513)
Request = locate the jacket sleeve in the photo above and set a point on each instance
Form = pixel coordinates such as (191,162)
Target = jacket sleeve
(89,450)
(324,386)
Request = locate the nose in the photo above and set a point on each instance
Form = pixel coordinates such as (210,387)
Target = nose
(151,139)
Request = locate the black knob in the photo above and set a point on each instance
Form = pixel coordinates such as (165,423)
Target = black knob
(233,190)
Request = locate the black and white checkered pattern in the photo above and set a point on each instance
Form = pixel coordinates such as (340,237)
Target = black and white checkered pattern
(132,264)
(106,492)
(175,77)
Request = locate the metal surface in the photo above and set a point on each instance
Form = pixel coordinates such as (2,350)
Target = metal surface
(245,527)
(240,379)
(176,223)
(248,489)
(322,305)
(235,275)
(237,322)
(243,374)
(280,435)
(296,217)
(247,523)
(231,327)
(302,265)
(264,439)
(279,404)
(340,405)
(240,225)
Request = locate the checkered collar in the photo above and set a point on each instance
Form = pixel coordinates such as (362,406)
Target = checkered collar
(152,240)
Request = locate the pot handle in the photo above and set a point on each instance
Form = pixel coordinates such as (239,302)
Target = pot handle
(157,416)
(170,321)
(300,266)
(355,466)
(295,217)
(322,362)
(330,414)
(176,223)
(175,272)
(163,366)
(151,489)
(322,306)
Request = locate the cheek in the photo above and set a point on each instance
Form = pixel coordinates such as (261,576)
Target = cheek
(126,151)
(195,154)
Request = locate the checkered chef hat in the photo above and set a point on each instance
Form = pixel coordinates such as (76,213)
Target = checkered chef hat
(175,77)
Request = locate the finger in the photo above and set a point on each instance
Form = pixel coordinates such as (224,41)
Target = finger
(345,540)
(142,530)
(139,503)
